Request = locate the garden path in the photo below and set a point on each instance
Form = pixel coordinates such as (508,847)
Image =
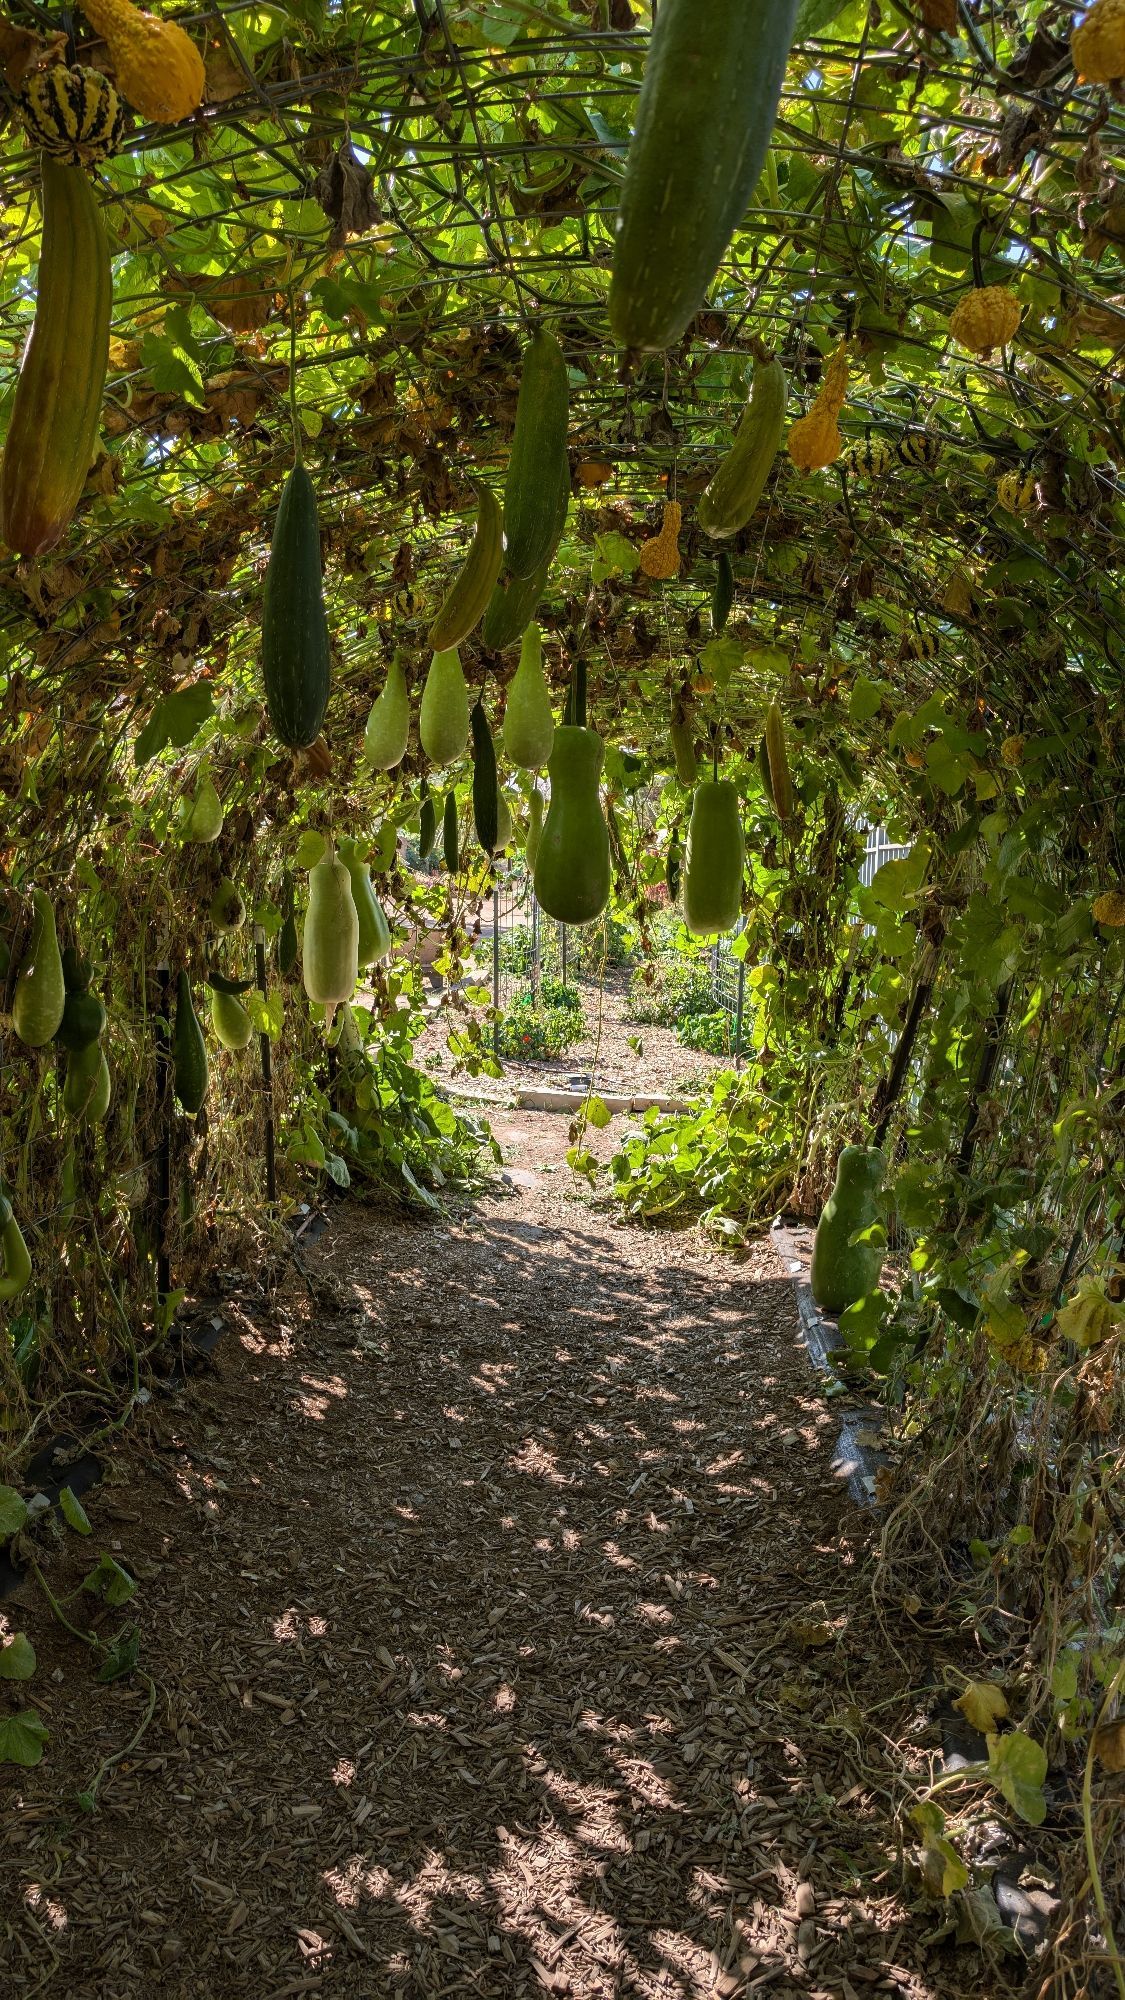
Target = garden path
(509,1635)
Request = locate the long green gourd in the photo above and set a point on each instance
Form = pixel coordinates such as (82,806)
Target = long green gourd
(844,1272)
(467,598)
(296,660)
(716,855)
(330,950)
(388,725)
(374,930)
(189,1052)
(15,1258)
(572,866)
(427,825)
(450,833)
(486,799)
(529,726)
(703,125)
(737,486)
(538,457)
(515,600)
(443,723)
(534,828)
(40,996)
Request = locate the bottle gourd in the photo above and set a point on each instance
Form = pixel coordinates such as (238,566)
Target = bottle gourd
(529,726)
(189,1052)
(40,996)
(330,952)
(388,725)
(374,930)
(844,1272)
(296,662)
(443,723)
(716,854)
(572,866)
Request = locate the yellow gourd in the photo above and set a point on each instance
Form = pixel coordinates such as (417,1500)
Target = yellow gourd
(1109,909)
(816,439)
(157,67)
(661,557)
(1097,45)
(985,318)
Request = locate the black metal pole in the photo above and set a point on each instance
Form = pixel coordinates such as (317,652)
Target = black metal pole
(164,1113)
(267,1068)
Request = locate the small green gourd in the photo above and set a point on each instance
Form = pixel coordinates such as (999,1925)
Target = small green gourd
(572,867)
(534,828)
(374,930)
(529,726)
(287,946)
(15,1258)
(203,817)
(683,745)
(227,910)
(81,1080)
(40,997)
(330,951)
(229,1019)
(443,723)
(504,828)
(84,1017)
(844,1272)
(388,725)
(450,841)
(189,1052)
(427,826)
(716,855)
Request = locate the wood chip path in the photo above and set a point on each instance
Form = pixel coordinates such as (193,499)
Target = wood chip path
(510,1639)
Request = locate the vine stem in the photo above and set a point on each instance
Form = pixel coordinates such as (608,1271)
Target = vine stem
(297,456)
(1113,1954)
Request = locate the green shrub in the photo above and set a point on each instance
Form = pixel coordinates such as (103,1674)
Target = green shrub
(679,987)
(528,1033)
(713,1032)
(552,993)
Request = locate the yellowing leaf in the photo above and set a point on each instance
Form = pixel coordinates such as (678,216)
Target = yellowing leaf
(983,1705)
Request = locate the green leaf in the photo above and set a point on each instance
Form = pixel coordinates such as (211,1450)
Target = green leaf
(720,659)
(13,1511)
(123,1654)
(74,1513)
(1017,1766)
(175,720)
(598,1113)
(813,16)
(614,555)
(866,698)
(110,1582)
(310,848)
(267,1011)
(22,1738)
(17,1658)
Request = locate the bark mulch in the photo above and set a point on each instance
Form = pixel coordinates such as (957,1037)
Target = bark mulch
(510,1636)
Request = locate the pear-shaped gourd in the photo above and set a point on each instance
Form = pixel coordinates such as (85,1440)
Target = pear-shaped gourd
(15,1258)
(189,1051)
(40,996)
(572,867)
(87,1088)
(534,828)
(529,726)
(503,823)
(716,855)
(443,723)
(227,911)
(842,1271)
(83,1017)
(203,820)
(232,1024)
(330,949)
(374,930)
(388,725)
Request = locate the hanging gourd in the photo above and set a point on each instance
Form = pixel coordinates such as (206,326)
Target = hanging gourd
(816,439)
(157,67)
(486,801)
(468,596)
(716,855)
(1097,44)
(534,828)
(538,457)
(427,825)
(296,658)
(40,996)
(515,600)
(660,558)
(736,488)
(388,725)
(443,723)
(529,726)
(985,318)
(683,743)
(701,132)
(572,866)
(189,1052)
(87,1088)
(53,425)
(229,1018)
(227,911)
(201,817)
(83,1016)
(74,114)
(844,1272)
(775,764)
(374,930)
(504,828)
(330,949)
(722,596)
(15,1258)
(450,834)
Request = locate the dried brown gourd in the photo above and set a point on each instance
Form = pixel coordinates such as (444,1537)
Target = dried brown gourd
(661,557)
(816,439)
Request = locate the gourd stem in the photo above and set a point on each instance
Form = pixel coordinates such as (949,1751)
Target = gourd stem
(978,271)
(293,377)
